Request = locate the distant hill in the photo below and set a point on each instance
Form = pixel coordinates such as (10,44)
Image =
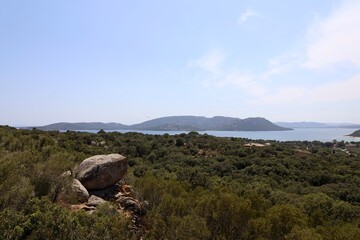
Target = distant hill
(302,124)
(316,125)
(177,123)
(193,123)
(81,126)
(355,134)
(344,125)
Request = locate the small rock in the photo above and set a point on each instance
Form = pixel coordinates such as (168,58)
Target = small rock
(125,189)
(95,201)
(66,174)
(88,208)
(81,193)
(119,195)
(129,203)
(77,207)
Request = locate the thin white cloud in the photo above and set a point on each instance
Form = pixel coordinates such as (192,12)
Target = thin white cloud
(236,79)
(210,62)
(281,96)
(333,92)
(347,90)
(335,39)
(282,64)
(331,41)
(246,15)
(219,77)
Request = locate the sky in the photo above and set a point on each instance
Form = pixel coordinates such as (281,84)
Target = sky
(131,61)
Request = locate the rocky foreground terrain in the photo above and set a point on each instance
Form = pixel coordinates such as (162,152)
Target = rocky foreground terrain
(97,181)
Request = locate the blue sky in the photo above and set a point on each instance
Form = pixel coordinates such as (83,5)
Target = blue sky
(130,61)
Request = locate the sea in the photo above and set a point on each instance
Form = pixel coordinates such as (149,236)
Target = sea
(298,134)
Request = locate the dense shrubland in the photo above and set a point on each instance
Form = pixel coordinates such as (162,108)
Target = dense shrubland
(197,186)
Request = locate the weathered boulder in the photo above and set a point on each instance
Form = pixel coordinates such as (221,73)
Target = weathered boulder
(82,194)
(101,171)
(95,201)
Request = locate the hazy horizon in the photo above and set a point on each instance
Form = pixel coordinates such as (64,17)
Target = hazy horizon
(141,121)
(129,62)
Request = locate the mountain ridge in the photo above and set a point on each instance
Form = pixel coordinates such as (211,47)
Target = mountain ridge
(175,123)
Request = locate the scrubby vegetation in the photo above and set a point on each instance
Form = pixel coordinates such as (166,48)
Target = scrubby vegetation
(197,186)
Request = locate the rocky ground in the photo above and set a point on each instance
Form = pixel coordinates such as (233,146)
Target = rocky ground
(97,181)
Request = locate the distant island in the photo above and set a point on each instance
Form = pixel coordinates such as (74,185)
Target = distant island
(316,125)
(176,123)
(355,134)
(302,124)
(80,126)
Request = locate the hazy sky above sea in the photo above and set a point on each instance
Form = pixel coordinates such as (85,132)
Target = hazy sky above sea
(131,61)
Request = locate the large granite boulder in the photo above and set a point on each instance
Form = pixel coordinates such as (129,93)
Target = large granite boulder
(101,171)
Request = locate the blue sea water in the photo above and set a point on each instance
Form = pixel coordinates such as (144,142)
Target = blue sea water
(298,134)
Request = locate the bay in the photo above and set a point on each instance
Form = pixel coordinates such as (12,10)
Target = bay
(298,134)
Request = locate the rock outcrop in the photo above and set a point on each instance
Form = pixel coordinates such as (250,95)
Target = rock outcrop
(101,171)
(99,177)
